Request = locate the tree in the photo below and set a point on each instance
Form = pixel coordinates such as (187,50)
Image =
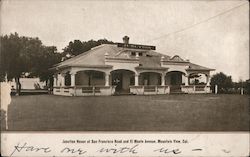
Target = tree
(21,54)
(43,61)
(223,81)
(77,47)
(13,57)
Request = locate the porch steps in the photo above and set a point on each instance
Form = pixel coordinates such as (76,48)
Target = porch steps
(123,92)
(120,94)
(178,92)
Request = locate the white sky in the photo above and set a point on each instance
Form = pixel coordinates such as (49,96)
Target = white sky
(221,43)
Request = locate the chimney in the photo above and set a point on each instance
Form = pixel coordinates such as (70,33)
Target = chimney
(125,40)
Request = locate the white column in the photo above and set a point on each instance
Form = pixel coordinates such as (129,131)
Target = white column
(62,79)
(59,78)
(73,78)
(55,80)
(136,79)
(216,89)
(208,80)
(163,79)
(107,79)
(186,80)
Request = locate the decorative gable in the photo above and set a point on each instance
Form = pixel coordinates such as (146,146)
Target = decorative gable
(177,58)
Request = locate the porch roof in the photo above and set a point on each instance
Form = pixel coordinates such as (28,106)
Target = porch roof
(196,67)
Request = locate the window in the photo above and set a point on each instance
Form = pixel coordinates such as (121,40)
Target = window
(133,53)
(140,53)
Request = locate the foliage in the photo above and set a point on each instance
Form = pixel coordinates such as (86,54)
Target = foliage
(223,81)
(77,47)
(20,54)
(242,84)
(45,60)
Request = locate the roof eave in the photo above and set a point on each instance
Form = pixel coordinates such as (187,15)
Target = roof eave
(200,69)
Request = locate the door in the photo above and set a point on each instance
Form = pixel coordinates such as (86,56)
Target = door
(117,81)
(175,80)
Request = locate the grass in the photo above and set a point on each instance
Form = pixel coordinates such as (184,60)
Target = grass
(130,113)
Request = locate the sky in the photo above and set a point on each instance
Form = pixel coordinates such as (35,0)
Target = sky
(211,33)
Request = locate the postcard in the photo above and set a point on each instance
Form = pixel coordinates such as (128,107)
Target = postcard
(124,78)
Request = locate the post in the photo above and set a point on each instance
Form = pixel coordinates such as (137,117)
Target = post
(107,79)
(186,80)
(55,80)
(136,79)
(59,78)
(163,79)
(241,91)
(73,78)
(216,89)
(62,79)
(208,80)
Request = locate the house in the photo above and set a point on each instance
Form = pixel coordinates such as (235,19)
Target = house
(122,68)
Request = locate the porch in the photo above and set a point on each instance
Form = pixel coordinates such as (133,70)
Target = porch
(95,82)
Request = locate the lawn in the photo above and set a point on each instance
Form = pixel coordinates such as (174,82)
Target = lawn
(183,112)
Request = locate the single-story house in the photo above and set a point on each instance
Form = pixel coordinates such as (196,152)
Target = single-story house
(124,68)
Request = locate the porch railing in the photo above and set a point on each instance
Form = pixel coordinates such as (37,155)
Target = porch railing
(150,89)
(84,90)
(195,89)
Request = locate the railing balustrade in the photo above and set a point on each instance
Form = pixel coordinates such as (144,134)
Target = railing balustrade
(149,89)
(84,90)
(195,89)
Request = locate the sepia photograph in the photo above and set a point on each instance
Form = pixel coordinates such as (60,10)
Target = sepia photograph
(124,65)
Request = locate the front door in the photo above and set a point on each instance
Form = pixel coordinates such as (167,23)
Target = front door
(117,81)
(175,81)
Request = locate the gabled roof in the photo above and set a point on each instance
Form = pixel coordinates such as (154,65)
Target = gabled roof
(96,58)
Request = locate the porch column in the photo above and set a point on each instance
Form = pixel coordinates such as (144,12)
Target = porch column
(107,75)
(55,80)
(73,78)
(59,79)
(63,79)
(136,79)
(186,80)
(163,79)
(208,80)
